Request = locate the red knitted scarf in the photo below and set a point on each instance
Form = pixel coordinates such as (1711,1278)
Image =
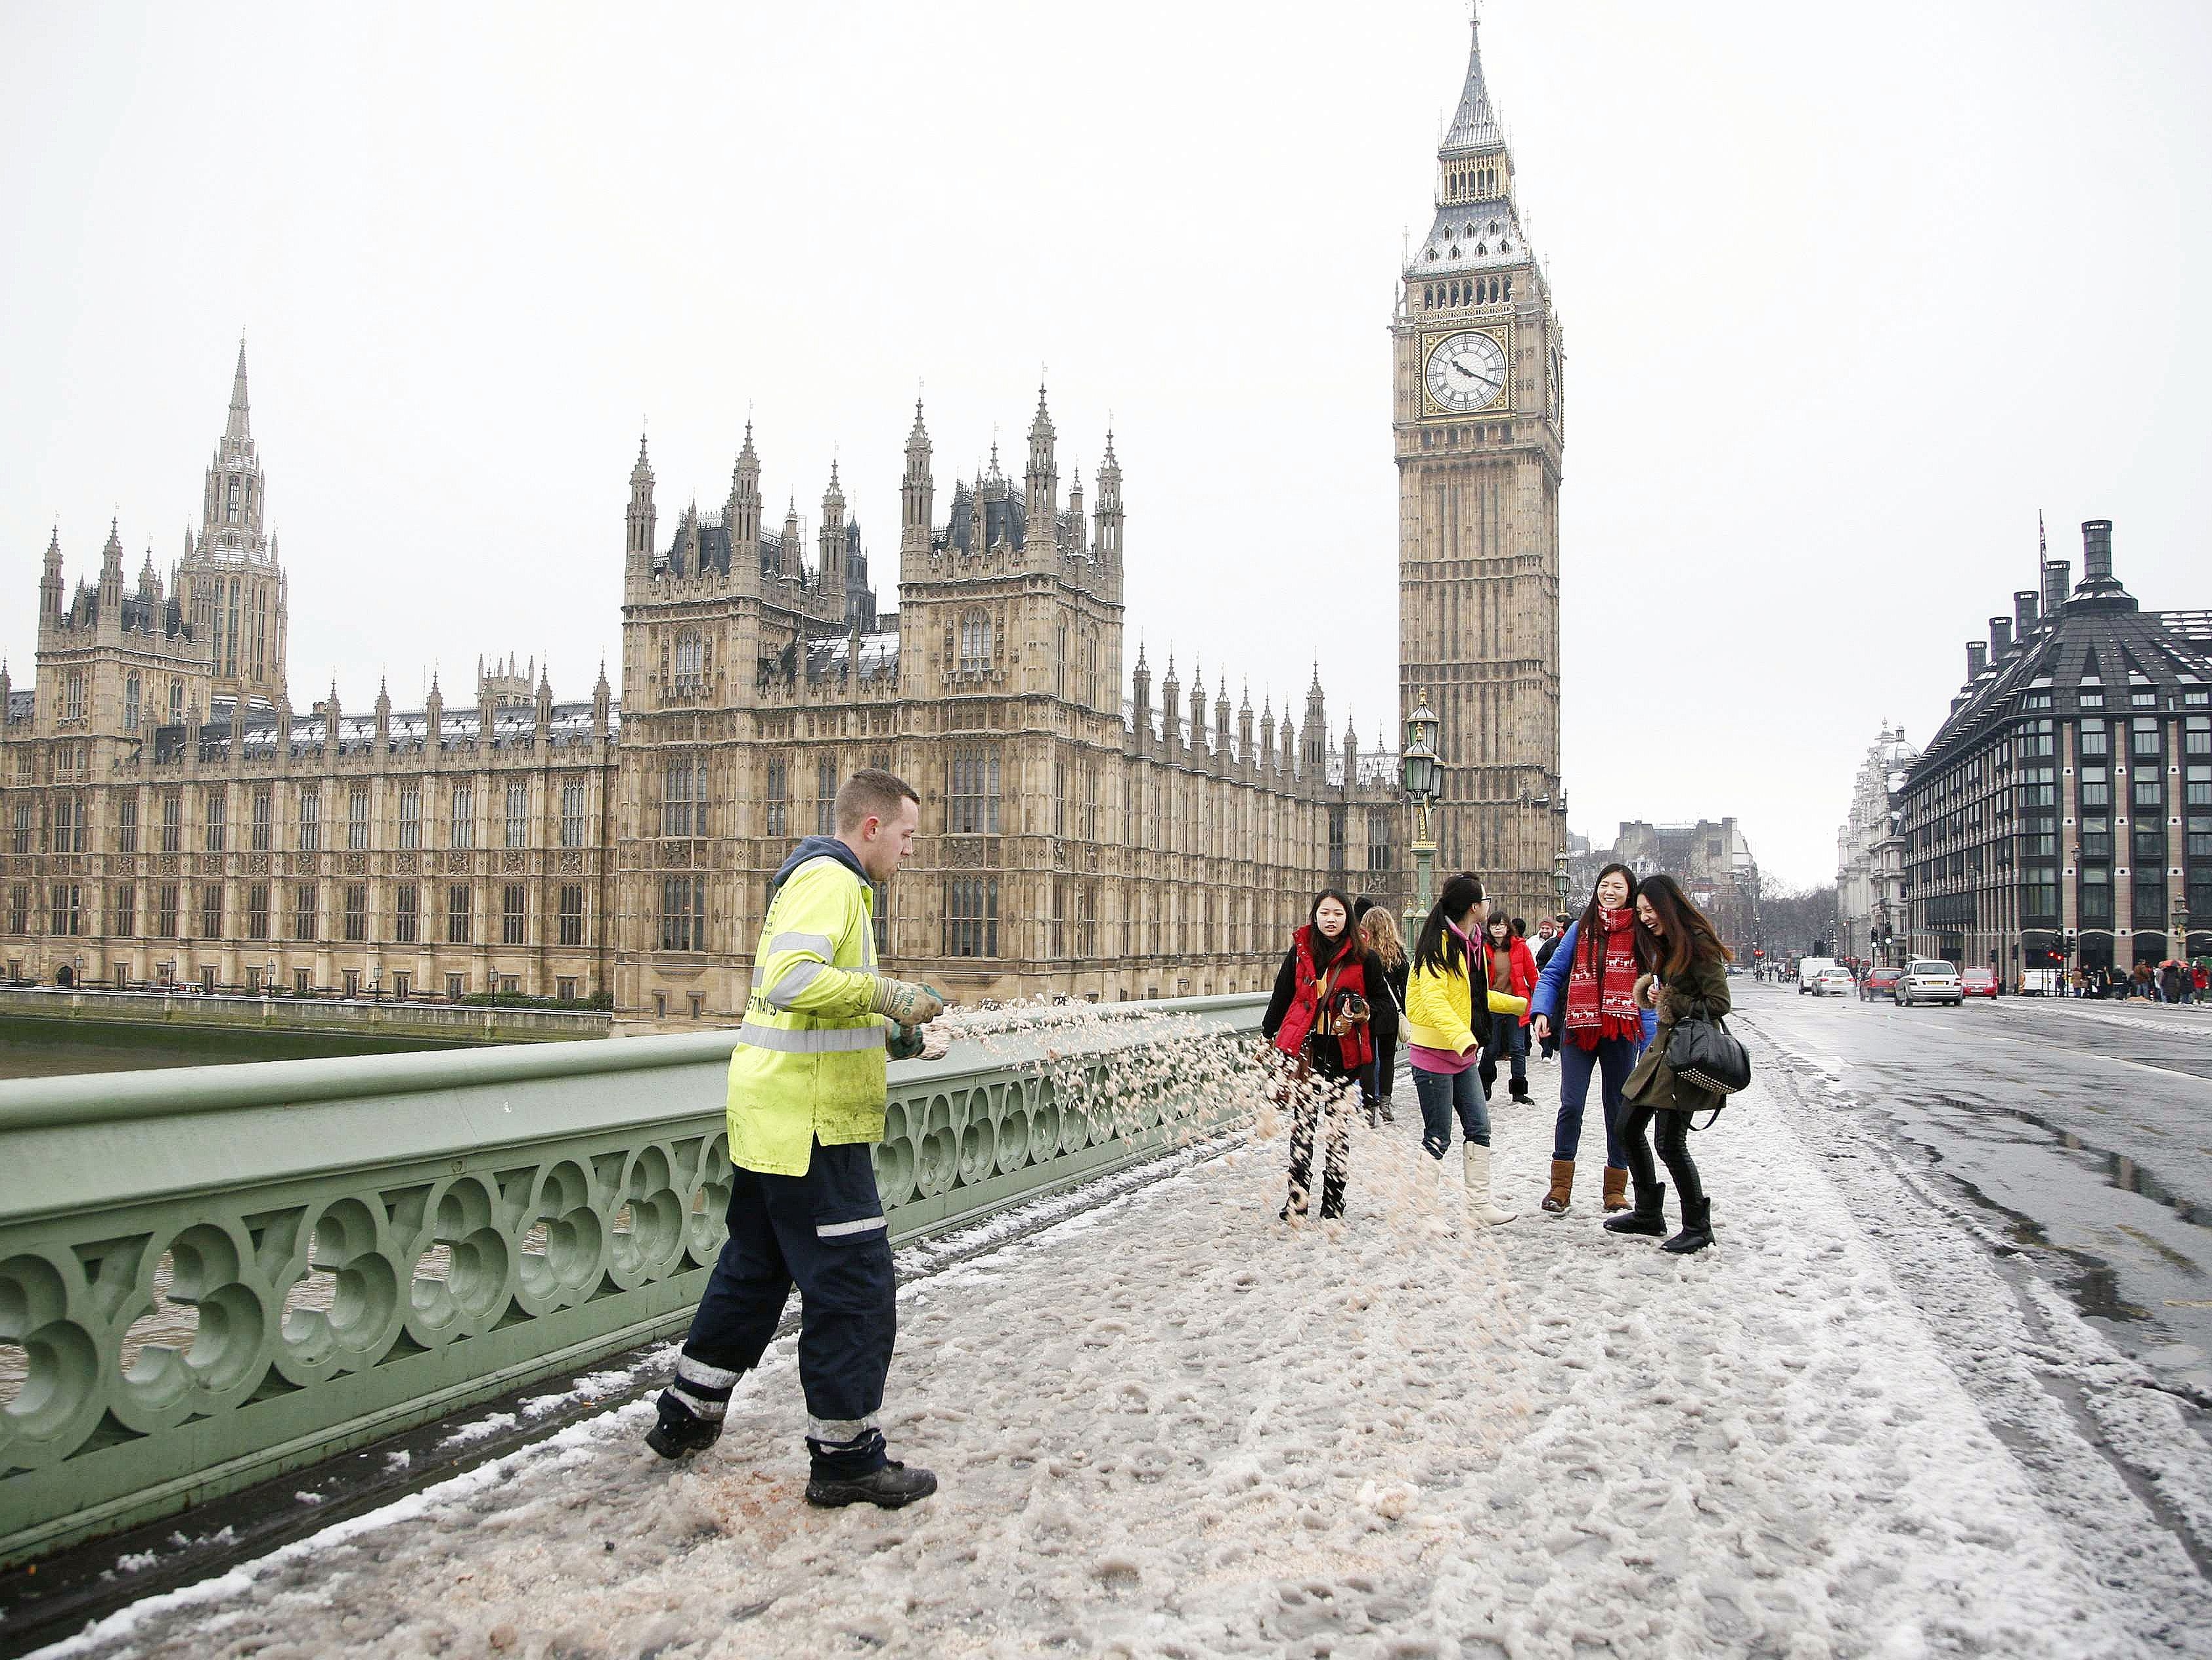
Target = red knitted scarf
(1601,985)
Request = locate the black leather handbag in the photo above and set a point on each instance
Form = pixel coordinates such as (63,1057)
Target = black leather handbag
(1701,1053)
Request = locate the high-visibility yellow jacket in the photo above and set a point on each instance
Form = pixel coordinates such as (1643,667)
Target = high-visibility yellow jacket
(809,1063)
(1440,1009)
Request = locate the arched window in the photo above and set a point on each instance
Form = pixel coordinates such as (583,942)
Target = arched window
(975,642)
(176,702)
(230,510)
(690,663)
(130,702)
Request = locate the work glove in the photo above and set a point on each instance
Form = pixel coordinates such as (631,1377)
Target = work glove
(906,1002)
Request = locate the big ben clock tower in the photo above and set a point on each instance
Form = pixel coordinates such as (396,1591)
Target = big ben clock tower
(1479,430)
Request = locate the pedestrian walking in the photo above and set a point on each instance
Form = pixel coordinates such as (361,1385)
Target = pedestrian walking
(1318,1019)
(1378,930)
(1551,930)
(1450,1010)
(1685,976)
(1587,994)
(2169,981)
(806,1096)
(2200,982)
(1510,967)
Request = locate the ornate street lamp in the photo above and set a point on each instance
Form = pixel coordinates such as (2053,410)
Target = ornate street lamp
(1423,779)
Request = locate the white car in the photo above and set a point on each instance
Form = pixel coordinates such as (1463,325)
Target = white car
(1835,983)
(1930,981)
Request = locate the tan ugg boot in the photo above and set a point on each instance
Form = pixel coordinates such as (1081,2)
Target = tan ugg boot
(1562,1192)
(1616,1189)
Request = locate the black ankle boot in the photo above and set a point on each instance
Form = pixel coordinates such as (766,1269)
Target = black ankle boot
(890,1488)
(1697,1229)
(681,1431)
(1648,1216)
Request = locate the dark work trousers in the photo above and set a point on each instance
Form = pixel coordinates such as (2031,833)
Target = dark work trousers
(1673,1135)
(1323,1089)
(823,1232)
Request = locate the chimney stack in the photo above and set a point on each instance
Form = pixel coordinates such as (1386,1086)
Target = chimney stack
(2023,613)
(2057,579)
(2000,639)
(1977,660)
(2096,550)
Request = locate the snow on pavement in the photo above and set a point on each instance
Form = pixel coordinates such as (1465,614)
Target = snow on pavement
(1174,1426)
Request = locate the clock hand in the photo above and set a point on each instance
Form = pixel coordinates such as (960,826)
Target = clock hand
(1463,369)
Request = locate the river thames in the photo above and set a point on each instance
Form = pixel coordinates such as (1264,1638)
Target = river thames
(52,1049)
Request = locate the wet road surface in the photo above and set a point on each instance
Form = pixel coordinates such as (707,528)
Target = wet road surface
(2084,1128)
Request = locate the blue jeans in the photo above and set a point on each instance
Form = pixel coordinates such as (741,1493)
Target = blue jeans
(1616,1059)
(1508,1039)
(1443,1093)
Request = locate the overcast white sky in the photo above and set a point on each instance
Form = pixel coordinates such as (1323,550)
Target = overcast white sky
(1848,294)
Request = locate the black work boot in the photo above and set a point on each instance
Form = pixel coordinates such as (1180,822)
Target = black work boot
(892,1486)
(1647,1217)
(681,1431)
(1697,1228)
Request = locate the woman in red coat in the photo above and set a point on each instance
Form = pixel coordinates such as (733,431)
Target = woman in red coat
(1318,1021)
(1512,969)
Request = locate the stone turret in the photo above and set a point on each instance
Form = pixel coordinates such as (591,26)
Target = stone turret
(1170,713)
(50,582)
(111,579)
(916,507)
(637,559)
(741,514)
(383,715)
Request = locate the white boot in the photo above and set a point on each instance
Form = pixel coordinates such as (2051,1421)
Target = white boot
(1479,1203)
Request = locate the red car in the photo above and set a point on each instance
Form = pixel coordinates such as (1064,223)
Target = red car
(1880,982)
(1978,983)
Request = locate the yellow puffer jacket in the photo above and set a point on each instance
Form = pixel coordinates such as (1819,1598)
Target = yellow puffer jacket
(1440,1009)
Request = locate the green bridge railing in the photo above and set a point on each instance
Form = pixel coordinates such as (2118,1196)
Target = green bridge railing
(211,1276)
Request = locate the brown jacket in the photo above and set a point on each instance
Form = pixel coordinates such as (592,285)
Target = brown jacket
(1705,989)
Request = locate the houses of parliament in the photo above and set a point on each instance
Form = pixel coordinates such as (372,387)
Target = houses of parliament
(168,816)
(171,817)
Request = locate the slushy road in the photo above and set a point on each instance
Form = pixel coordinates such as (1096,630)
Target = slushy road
(2084,1128)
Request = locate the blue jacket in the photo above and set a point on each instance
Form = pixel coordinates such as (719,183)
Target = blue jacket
(1551,998)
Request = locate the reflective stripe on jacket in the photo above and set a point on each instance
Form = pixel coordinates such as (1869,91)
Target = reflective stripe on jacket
(809,1063)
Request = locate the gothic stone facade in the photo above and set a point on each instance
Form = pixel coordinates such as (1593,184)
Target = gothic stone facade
(1071,843)
(167,816)
(1479,428)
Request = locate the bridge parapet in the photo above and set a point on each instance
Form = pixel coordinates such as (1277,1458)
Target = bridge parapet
(211,1276)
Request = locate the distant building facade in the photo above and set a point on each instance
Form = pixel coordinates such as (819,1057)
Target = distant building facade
(2064,808)
(1710,858)
(1479,429)
(1871,854)
(169,817)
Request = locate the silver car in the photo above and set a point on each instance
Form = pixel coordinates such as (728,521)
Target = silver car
(1930,981)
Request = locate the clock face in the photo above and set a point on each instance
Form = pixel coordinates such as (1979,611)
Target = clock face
(1467,371)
